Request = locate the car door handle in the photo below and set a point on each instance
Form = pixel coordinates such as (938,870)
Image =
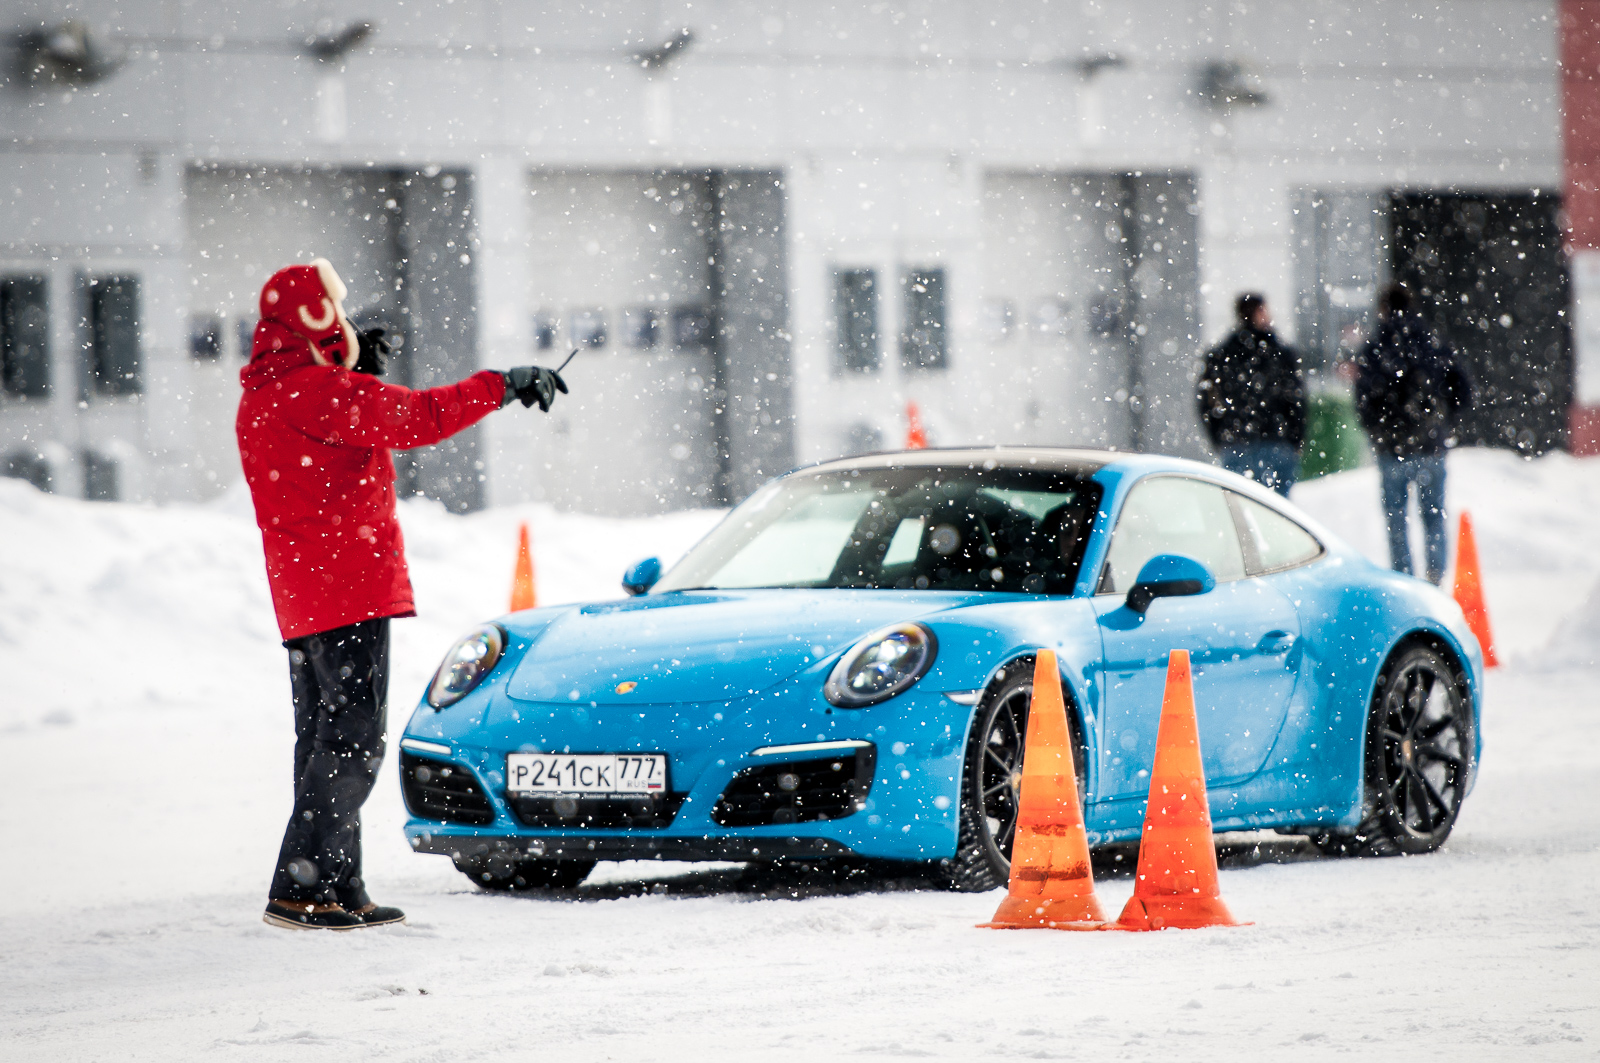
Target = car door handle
(1275,642)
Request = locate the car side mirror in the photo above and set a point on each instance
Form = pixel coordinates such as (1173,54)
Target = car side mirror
(642,575)
(1167,576)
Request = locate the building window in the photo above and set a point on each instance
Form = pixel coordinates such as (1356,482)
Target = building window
(1050,320)
(855,302)
(589,328)
(205,337)
(546,330)
(691,327)
(922,344)
(640,328)
(998,319)
(24,337)
(245,329)
(114,335)
(100,477)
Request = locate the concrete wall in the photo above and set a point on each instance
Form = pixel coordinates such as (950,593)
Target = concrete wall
(888,124)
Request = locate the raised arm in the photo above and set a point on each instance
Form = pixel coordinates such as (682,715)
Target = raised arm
(354,409)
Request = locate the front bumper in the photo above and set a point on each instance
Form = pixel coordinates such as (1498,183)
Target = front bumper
(660,847)
(906,809)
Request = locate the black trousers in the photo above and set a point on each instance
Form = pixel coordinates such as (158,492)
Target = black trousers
(340,682)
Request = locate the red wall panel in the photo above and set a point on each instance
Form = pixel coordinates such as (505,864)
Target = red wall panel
(1580,99)
(1580,108)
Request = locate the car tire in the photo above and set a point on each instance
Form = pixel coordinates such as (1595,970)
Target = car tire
(1418,752)
(987,813)
(504,874)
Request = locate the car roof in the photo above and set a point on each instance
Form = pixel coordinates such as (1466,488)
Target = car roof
(1120,469)
(1081,463)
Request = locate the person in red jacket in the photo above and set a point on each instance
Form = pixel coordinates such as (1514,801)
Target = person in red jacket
(315,429)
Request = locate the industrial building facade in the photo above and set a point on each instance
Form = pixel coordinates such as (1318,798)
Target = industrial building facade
(765,227)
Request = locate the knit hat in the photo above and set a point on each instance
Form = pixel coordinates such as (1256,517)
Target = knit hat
(309,301)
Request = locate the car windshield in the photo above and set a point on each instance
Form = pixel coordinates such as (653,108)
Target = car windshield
(955,529)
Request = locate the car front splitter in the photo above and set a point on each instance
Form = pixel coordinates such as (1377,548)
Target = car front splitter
(459,846)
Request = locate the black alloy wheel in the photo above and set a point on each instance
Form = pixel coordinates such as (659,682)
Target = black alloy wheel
(992,779)
(1419,750)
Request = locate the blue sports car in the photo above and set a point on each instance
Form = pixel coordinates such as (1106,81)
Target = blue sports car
(842,668)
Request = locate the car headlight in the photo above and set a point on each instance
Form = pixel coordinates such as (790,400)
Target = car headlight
(464,667)
(881,665)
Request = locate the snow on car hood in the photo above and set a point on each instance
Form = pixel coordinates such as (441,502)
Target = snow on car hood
(705,645)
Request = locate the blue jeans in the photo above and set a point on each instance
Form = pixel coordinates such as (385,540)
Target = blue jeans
(1398,474)
(1270,463)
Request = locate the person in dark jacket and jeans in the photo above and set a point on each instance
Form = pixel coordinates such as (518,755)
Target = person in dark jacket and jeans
(1410,391)
(1253,400)
(315,429)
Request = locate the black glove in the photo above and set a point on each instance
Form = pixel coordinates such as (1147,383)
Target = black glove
(531,384)
(374,356)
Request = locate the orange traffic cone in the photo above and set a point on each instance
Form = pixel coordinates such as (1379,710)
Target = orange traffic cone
(916,438)
(1177,877)
(1052,886)
(1468,591)
(523,595)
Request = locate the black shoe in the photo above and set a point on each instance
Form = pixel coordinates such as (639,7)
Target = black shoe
(378,915)
(304,915)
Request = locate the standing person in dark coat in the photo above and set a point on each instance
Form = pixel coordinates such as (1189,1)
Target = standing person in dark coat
(315,428)
(1410,391)
(1253,400)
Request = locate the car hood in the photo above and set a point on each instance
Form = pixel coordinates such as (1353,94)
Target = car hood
(705,645)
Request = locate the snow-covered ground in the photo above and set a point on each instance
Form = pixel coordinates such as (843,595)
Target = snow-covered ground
(144,729)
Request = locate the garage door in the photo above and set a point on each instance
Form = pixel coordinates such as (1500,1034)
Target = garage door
(621,272)
(1090,312)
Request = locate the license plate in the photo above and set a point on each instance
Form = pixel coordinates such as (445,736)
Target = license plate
(586,773)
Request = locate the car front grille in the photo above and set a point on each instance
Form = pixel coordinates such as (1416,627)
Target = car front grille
(798,791)
(645,811)
(435,790)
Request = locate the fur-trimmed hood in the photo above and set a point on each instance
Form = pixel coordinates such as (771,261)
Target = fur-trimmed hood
(308,301)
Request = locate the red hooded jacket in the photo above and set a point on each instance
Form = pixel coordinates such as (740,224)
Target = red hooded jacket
(315,440)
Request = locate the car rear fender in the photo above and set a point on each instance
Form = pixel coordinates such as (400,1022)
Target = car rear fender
(1353,630)
(1463,649)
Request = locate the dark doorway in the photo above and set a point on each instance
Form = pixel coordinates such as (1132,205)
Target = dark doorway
(1489,273)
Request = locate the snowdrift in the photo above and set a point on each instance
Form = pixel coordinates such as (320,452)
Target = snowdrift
(108,607)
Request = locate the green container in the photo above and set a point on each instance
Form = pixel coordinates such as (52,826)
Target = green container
(1334,440)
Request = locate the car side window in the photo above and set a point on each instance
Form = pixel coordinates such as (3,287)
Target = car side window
(1279,542)
(1173,515)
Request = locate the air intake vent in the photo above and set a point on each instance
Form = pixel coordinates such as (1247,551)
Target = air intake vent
(435,790)
(644,811)
(798,791)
